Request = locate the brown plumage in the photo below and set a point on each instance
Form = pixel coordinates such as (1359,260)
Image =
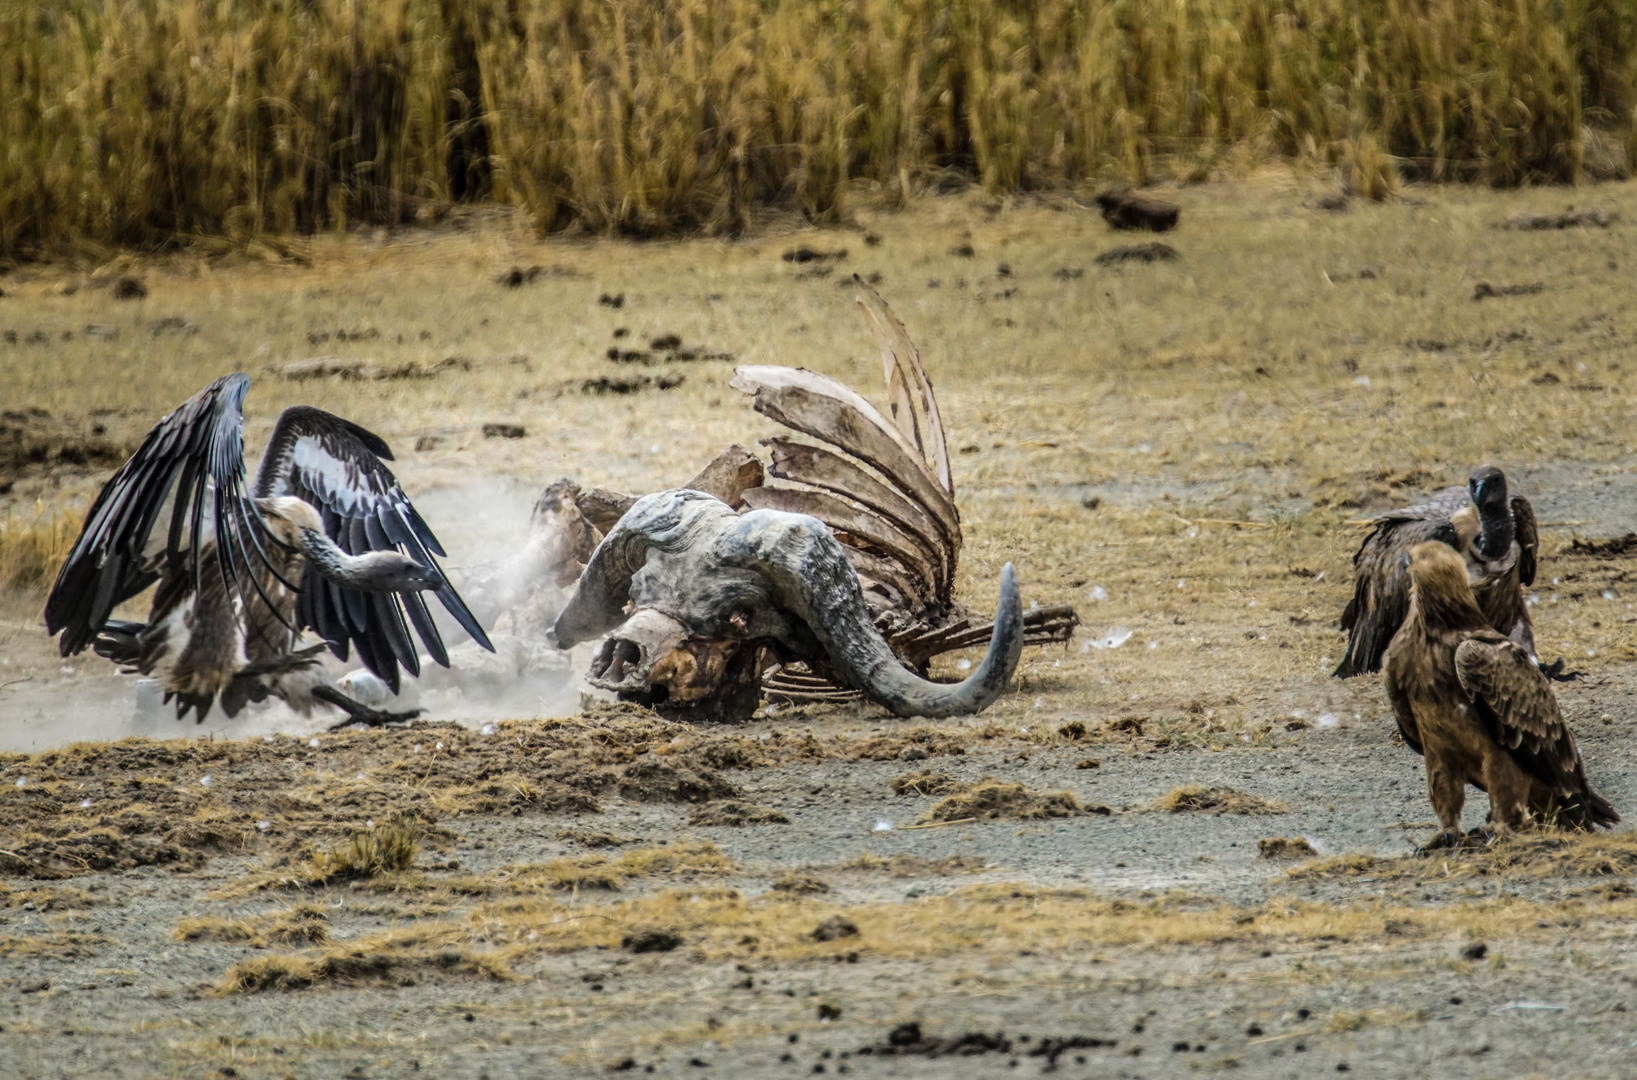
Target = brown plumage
(1475,705)
(1495,534)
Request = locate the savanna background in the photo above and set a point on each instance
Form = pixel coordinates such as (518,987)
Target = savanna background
(1178,846)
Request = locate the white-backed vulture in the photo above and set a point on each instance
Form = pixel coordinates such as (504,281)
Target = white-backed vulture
(1494,532)
(325,540)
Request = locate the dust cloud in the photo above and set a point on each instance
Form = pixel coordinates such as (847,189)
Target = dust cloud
(495,560)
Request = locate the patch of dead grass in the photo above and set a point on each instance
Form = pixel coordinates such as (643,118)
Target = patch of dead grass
(302,924)
(1284,847)
(989,798)
(686,859)
(734,812)
(905,866)
(1193,798)
(53,945)
(924,782)
(1536,853)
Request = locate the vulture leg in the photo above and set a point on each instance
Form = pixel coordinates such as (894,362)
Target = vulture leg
(359,713)
(1554,671)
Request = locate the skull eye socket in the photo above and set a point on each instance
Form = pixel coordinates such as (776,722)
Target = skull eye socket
(614,658)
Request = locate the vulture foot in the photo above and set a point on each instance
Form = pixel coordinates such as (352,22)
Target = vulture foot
(1443,838)
(1554,671)
(359,713)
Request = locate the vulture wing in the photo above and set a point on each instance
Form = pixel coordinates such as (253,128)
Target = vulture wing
(192,460)
(1521,714)
(1527,535)
(1381,587)
(336,466)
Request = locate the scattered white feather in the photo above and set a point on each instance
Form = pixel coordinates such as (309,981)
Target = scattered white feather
(263,825)
(314,743)
(1097,593)
(1362,380)
(207,780)
(1327,720)
(488,729)
(963,664)
(883,826)
(1111,640)
(85,804)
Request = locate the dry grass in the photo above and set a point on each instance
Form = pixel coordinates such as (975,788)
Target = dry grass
(989,799)
(719,925)
(1192,798)
(639,119)
(34,543)
(303,924)
(52,945)
(1284,847)
(687,859)
(1534,854)
(901,865)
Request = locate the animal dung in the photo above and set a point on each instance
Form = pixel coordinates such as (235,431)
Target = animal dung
(666,343)
(1591,217)
(964,251)
(1125,211)
(1151,252)
(628,384)
(614,300)
(1484,290)
(503,431)
(129,287)
(1068,273)
(872,239)
(361,370)
(805,254)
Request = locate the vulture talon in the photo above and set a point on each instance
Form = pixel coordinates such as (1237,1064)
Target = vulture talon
(1443,838)
(1554,671)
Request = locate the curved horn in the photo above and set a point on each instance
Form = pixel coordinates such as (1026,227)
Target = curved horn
(665,519)
(808,573)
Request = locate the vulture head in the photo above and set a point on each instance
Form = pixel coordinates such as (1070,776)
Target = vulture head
(692,594)
(1486,485)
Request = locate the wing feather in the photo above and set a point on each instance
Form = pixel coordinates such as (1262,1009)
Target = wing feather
(192,459)
(338,467)
(1518,706)
(1381,588)
(1527,534)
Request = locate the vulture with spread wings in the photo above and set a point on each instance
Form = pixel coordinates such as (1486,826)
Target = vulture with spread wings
(1495,535)
(1477,707)
(324,540)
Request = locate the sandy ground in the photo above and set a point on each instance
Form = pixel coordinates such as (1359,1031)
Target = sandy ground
(1139,413)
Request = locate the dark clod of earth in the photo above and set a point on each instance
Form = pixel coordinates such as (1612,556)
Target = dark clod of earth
(1476,951)
(129,287)
(1483,290)
(805,254)
(1123,210)
(503,431)
(613,300)
(648,941)
(629,384)
(834,929)
(1153,252)
(964,251)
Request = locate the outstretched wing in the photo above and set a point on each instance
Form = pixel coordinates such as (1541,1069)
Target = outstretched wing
(1521,714)
(193,460)
(336,467)
(1381,586)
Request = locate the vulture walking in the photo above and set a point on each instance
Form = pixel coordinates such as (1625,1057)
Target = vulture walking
(325,539)
(1474,704)
(1495,535)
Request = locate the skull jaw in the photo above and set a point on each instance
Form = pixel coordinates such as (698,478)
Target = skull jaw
(652,660)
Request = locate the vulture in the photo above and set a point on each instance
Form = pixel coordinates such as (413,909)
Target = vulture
(1494,533)
(324,540)
(1472,702)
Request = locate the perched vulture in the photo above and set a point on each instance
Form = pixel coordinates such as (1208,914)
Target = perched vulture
(1495,535)
(326,540)
(1477,707)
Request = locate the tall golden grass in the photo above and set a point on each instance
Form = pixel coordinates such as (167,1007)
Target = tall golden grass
(142,121)
(33,545)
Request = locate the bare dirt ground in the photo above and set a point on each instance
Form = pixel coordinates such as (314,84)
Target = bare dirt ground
(1175,447)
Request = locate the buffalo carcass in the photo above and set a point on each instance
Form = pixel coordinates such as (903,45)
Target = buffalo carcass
(704,629)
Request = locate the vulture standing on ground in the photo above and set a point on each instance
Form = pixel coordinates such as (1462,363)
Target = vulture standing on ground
(325,540)
(1477,707)
(1495,535)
